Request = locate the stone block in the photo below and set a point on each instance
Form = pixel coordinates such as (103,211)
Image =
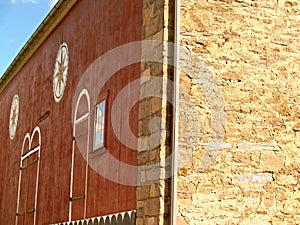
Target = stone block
(272,161)
(269,202)
(152,220)
(154,190)
(152,207)
(142,192)
(240,157)
(283,179)
(253,178)
(181,221)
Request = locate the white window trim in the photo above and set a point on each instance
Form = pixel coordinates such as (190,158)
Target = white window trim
(32,151)
(76,122)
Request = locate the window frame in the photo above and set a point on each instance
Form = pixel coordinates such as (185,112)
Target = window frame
(100,148)
(78,120)
(25,156)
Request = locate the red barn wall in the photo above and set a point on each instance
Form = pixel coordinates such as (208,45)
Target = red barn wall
(91,28)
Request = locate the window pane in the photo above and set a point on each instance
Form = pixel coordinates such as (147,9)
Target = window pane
(99,125)
(101,138)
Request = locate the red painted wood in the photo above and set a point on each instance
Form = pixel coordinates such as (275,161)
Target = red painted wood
(24,188)
(32,171)
(78,185)
(90,29)
(29,220)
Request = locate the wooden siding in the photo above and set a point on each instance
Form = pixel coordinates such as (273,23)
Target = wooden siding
(90,29)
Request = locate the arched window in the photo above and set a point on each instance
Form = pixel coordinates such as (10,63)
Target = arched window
(80,149)
(29,179)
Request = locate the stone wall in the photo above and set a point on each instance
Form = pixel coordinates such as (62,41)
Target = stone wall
(241,159)
(155,117)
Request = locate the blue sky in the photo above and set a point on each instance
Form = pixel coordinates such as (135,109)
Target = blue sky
(18,20)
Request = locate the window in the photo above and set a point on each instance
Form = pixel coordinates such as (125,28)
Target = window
(99,125)
(80,157)
(29,179)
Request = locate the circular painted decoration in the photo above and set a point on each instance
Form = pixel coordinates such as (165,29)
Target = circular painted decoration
(14,115)
(60,72)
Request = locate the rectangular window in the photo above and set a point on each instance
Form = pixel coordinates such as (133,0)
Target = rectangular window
(99,125)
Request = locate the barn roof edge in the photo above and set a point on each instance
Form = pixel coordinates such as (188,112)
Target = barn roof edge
(53,18)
